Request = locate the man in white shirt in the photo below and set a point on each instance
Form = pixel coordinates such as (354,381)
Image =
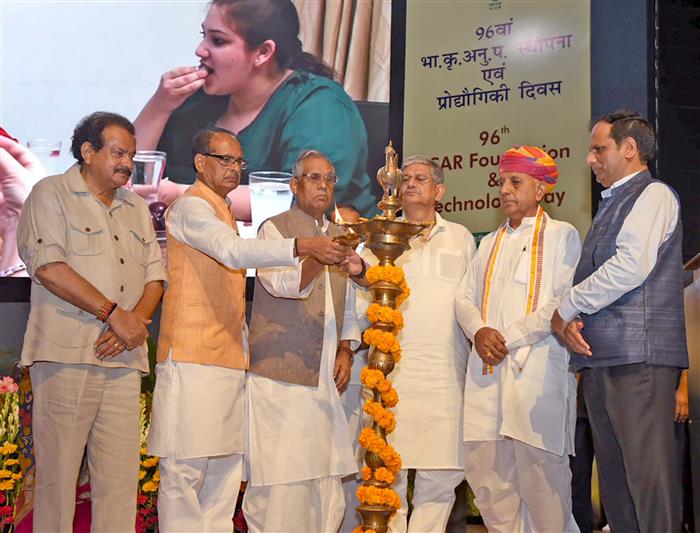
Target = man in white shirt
(197,425)
(430,377)
(630,339)
(519,397)
(303,332)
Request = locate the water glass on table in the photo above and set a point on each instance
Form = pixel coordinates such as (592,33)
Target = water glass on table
(149,166)
(48,152)
(270,195)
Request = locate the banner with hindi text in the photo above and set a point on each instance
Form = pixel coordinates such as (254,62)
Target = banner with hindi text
(482,76)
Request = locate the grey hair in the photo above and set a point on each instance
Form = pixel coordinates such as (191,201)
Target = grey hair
(307,154)
(435,171)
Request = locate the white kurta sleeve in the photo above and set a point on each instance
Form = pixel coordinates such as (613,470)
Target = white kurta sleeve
(534,327)
(192,221)
(281,282)
(471,248)
(351,325)
(650,222)
(468,298)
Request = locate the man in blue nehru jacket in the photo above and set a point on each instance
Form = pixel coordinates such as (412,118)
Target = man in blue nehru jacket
(629,337)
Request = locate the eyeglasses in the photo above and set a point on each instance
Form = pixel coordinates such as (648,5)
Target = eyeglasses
(420,179)
(315,178)
(227,161)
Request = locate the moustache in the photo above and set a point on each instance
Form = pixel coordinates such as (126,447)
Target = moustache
(123,170)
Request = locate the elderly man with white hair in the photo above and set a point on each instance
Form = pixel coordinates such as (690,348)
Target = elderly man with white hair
(519,398)
(301,331)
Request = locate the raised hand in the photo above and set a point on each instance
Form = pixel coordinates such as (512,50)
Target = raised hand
(323,249)
(176,86)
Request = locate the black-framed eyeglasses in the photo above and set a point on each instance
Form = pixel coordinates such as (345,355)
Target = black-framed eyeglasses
(315,178)
(227,161)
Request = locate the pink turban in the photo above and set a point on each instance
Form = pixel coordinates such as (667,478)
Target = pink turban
(532,161)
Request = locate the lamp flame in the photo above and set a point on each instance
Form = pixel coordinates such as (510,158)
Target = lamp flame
(338,218)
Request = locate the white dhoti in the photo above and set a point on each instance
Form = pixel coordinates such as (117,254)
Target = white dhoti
(312,506)
(433,497)
(519,488)
(197,428)
(352,405)
(519,417)
(299,445)
(198,494)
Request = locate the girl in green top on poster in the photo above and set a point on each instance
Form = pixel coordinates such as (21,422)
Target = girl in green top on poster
(255,80)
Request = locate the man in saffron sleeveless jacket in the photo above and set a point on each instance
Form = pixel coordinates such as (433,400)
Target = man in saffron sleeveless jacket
(197,423)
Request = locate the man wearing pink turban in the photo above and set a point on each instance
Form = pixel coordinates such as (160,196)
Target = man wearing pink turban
(519,397)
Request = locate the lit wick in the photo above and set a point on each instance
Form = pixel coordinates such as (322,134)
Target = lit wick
(350,238)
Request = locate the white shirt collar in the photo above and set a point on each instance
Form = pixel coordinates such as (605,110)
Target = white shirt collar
(525,223)
(608,192)
(324,226)
(440,224)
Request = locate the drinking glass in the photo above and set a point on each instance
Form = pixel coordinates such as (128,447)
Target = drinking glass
(270,195)
(48,152)
(149,166)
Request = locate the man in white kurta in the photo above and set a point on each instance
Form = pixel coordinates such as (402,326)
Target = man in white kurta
(519,398)
(429,378)
(298,437)
(197,425)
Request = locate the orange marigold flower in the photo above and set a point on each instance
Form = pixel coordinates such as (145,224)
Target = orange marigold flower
(370,441)
(390,458)
(366,473)
(381,416)
(377,496)
(385,475)
(390,273)
(390,397)
(371,377)
(383,385)
(385,341)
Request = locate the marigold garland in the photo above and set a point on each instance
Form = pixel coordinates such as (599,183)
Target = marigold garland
(390,273)
(385,341)
(391,459)
(390,397)
(374,379)
(370,377)
(381,415)
(405,293)
(371,442)
(384,313)
(385,475)
(376,496)
(375,444)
